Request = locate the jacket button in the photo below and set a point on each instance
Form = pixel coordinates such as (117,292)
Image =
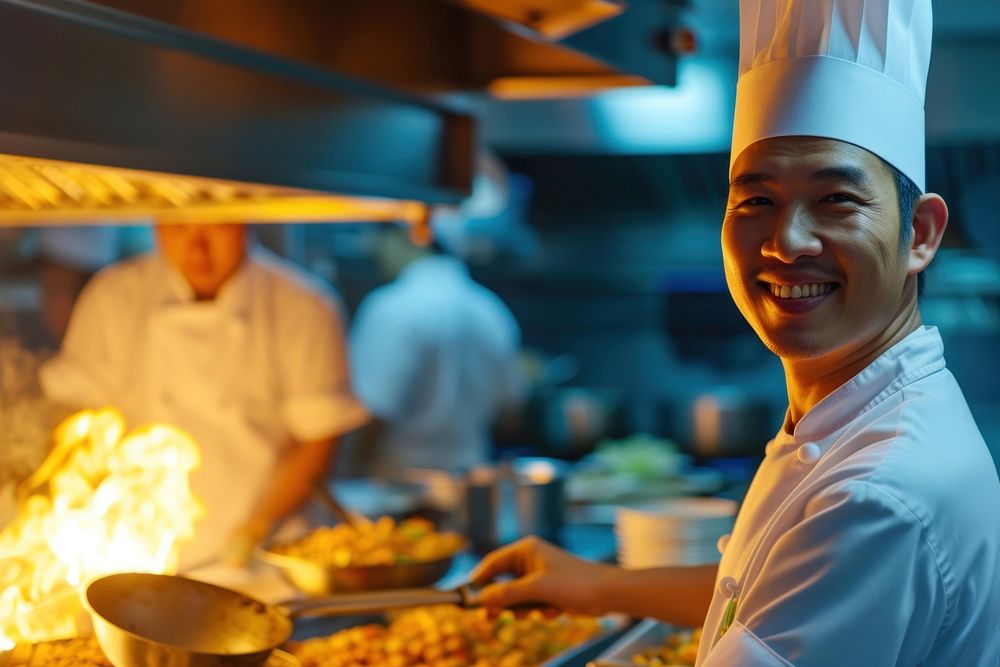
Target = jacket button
(723,543)
(808,453)
(729,587)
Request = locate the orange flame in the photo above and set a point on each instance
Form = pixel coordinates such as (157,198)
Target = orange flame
(99,503)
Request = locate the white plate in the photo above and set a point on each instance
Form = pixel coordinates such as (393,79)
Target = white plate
(696,533)
(675,510)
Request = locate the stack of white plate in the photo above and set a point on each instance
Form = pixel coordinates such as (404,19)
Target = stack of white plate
(673,531)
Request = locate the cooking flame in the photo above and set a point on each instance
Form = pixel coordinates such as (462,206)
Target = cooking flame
(101,502)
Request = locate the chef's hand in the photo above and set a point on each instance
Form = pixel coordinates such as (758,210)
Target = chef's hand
(544,574)
(244,540)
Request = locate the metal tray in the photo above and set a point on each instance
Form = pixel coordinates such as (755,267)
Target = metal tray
(613,627)
(582,655)
(644,634)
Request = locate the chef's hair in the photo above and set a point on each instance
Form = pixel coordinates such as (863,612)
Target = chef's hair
(907,193)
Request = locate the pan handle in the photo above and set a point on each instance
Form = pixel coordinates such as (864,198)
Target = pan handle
(372,602)
(375,602)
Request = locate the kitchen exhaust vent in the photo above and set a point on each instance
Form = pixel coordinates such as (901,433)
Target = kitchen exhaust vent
(39,192)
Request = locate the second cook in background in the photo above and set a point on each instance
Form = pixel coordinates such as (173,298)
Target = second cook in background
(434,358)
(239,348)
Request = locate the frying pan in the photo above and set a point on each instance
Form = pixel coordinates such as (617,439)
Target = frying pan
(158,620)
(315,578)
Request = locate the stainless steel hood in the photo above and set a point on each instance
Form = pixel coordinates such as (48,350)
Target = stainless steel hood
(85,84)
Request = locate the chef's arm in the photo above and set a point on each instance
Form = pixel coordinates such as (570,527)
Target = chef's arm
(546,574)
(290,485)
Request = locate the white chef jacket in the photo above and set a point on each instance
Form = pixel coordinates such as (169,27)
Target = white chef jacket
(246,374)
(870,535)
(434,356)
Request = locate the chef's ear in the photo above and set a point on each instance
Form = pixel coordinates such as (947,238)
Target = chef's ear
(930,218)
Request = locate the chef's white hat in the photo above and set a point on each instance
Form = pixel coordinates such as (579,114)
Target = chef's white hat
(852,70)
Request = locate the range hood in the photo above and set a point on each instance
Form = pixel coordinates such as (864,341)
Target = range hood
(108,115)
(265,110)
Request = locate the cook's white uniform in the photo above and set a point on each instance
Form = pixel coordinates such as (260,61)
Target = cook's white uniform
(434,355)
(262,365)
(870,536)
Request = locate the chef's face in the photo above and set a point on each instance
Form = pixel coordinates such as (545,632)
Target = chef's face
(811,244)
(207,255)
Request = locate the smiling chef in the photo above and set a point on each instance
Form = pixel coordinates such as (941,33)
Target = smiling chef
(869,535)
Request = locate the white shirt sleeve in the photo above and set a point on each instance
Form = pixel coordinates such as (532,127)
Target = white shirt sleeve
(385,357)
(318,402)
(80,374)
(854,583)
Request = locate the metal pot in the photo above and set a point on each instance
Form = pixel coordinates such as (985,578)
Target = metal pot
(720,422)
(526,496)
(571,420)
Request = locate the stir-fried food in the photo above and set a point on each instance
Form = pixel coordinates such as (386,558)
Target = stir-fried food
(447,636)
(383,542)
(78,652)
(679,650)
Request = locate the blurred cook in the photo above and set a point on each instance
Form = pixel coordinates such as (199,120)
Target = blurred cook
(863,538)
(434,354)
(236,346)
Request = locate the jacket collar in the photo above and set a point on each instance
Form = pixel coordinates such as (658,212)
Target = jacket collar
(916,356)
(232,297)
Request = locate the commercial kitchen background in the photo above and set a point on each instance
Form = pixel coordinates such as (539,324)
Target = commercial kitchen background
(609,253)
